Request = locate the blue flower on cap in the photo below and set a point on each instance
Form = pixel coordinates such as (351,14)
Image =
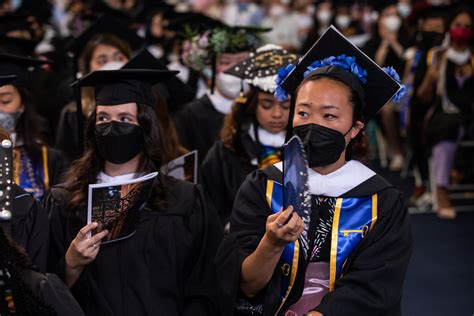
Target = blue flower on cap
(280,93)
(347,63)
(403,90)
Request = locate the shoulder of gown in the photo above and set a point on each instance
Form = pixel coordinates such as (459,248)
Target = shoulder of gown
(29,226)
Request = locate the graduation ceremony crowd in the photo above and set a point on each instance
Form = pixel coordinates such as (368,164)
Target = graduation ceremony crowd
(99,91)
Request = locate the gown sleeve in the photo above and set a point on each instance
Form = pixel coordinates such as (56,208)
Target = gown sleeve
(38,240)
(30,228)
(200,295)
(372,279)
(61,234)
(212,178)
(247,227)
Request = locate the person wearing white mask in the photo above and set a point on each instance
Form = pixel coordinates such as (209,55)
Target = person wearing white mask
(404,8)
(344,19)
(199,122)
(253,133)
(449,85)
(322,19)
(284,25)
(386,47)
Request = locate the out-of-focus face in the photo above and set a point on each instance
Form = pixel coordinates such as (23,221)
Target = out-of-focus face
(271,114)
(326,102)
(124,113)
(157,26)
(463,21)
(10,99)
(225,61)
(433,25)
(104,54)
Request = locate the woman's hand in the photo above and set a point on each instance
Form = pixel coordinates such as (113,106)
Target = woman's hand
(282,228)
(82,251)
(257,269)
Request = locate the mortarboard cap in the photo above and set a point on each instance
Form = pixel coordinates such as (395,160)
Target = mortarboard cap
(114,87)
(105,24)
(19,66)
(175,91)
(261,68)
(9,43)
(378,89)
(7,79)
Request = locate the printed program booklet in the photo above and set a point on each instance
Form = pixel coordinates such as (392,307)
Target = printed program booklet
(116,206)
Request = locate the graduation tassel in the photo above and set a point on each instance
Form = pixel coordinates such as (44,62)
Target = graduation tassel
(80,118)
(213,78)
(241,99)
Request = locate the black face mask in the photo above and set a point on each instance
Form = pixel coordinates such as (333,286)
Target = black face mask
(431,39)
(118,142)
(323,145)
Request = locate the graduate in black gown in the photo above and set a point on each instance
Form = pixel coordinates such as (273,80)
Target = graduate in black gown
(26,222)
(166,266)
(105,41)
(253,132)
(200,121)
(37,165)
(347,254)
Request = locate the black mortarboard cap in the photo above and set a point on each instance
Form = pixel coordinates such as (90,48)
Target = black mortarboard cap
(260,69)
(7,79)
(194,21)
(175,91)
(113,87)
(19,66)
(105,24)
(375,93)
(14,45)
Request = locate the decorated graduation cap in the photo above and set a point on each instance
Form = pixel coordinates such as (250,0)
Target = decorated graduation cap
(200,50)
(334,56)
(19,66)
(260,70)
(173,89)
(7,79)
(106,24)
(115,87)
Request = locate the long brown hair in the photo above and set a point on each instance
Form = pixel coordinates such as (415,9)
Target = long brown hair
(85,170)
(233,122)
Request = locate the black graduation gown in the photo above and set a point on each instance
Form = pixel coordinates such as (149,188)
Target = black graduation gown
(67,138)
(165,268)
(222,173)
(29,226)
(372,276)
(224,170)
(198,125)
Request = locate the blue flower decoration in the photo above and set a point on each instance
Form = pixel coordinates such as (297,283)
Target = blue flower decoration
(280,93)
(403,90)
(347,63)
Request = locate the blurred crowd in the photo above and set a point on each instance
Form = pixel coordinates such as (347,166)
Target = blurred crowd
(428,42)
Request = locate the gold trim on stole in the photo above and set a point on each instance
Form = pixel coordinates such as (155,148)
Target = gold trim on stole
(45,167)
(334,238)
(374,210)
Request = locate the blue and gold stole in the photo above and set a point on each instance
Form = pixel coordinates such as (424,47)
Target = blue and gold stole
(33,178)
(353,219)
